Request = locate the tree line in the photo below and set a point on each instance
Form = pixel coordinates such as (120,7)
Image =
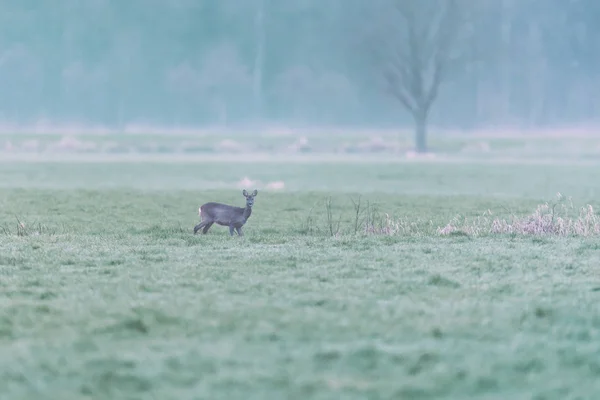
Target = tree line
(525,63)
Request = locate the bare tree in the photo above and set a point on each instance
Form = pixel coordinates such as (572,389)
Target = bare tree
(415,51)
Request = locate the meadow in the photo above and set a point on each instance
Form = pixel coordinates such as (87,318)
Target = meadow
(105,293)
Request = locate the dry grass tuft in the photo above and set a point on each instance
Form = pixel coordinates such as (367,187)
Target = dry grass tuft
(557,219)
(386,225)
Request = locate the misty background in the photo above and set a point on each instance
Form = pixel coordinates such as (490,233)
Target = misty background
(187,63)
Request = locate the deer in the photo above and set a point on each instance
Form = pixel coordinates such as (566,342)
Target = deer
(226,215)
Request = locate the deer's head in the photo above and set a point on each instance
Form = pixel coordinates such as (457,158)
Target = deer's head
(249,197)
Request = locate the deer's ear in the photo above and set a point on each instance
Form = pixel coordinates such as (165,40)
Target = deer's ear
(255,192)
(245,193)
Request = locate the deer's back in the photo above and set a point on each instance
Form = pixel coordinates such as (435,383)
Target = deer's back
(221,213)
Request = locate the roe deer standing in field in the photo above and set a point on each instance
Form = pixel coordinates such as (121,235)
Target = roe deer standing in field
(225,215)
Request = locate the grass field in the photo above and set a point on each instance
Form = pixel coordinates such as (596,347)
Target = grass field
(105,293)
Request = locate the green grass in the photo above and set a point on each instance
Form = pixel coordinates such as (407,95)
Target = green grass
(106,293)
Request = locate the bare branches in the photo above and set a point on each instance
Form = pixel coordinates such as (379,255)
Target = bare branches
(420,51)
(436,80)
(397,90)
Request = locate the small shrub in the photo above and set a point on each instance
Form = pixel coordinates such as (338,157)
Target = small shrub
(365,220)
(22,229)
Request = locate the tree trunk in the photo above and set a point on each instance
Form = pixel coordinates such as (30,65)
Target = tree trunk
(421,132)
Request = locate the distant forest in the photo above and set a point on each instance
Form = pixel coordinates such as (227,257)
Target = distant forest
(524,63)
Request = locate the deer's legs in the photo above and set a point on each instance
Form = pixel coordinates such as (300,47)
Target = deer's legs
(199,226)
(231,230)
(207,227)
(239,231)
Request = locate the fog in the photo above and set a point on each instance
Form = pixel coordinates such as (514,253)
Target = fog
(526,64)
